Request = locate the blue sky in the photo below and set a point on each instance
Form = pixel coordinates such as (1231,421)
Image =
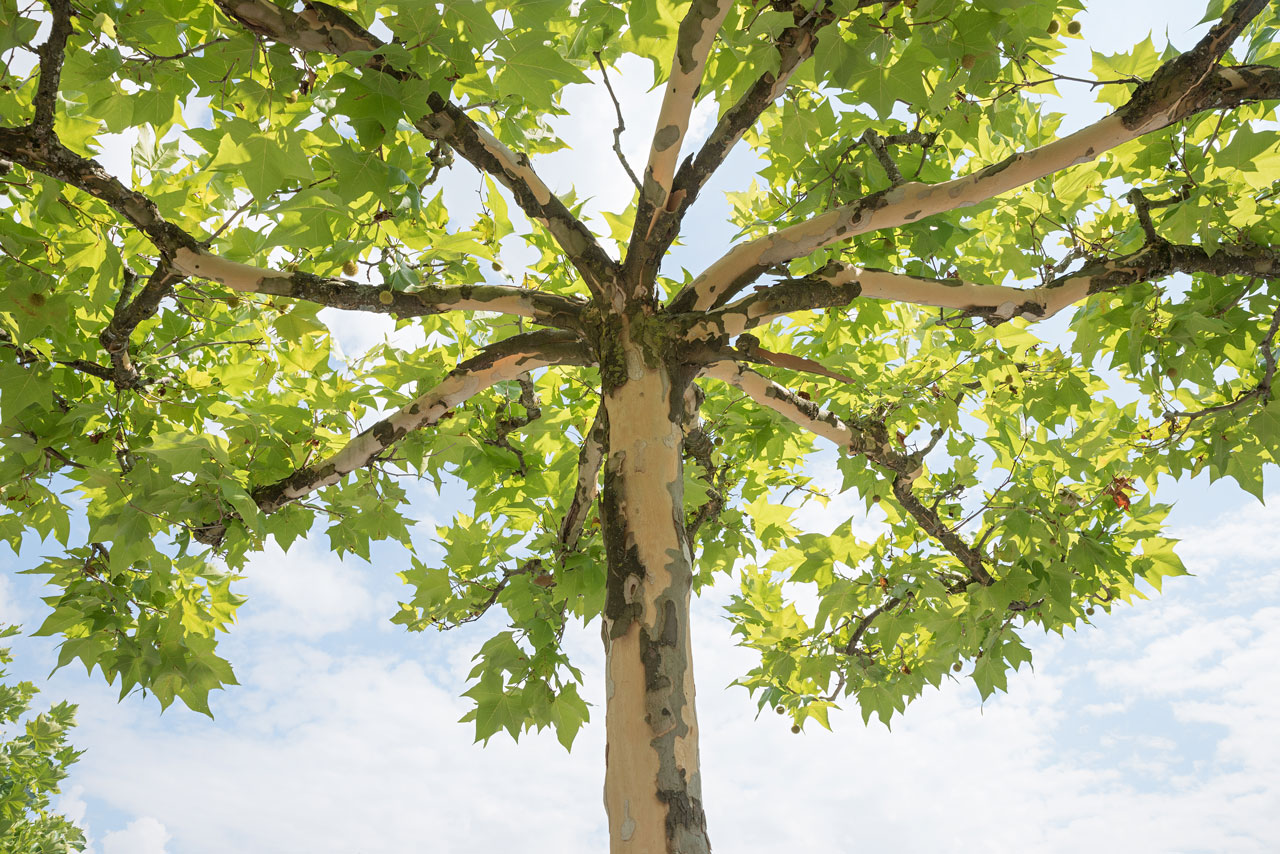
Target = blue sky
(1151,731)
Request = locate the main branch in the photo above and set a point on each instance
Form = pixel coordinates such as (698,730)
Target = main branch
(1187,84)
(697,33)
(870,438)
(840,284)
(563,312)
(323,29)
(504,360)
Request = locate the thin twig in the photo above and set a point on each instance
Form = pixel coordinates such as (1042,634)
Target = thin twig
(1261,390)
(622,125)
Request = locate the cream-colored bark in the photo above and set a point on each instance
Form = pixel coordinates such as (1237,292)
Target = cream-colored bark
(767,393)
(1003,301)
(703,22)
(423,411)
(652,782)
(908,203)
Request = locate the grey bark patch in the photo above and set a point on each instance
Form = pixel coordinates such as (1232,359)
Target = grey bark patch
(384,433)
(666,137)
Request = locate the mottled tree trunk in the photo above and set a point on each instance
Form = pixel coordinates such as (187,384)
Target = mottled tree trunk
(652,792)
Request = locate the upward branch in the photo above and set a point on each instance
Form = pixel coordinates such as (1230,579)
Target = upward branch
(324,29)
(1185,85)
(794,45)
(693,44)
(52,56)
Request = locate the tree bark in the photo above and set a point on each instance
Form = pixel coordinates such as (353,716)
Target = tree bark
(652,792)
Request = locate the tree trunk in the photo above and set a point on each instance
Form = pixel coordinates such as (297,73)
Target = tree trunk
(652,790)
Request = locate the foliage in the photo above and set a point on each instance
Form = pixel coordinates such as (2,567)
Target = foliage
(34,757)
(153,419)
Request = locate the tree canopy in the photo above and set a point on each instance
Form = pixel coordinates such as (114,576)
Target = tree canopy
(171,399)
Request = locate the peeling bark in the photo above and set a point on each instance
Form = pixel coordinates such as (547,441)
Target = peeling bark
(841,284)
(911,202)
(697,32)
(653,792)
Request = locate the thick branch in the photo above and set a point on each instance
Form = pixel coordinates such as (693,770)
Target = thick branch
(28,357)
(182,255)
(911,202)
(47,156)
(865,437)
(52,55)
(324,29)
(504,360)
(795,45)
(840,284)
(764,391)
(544,308)
(590,457)
(693,44)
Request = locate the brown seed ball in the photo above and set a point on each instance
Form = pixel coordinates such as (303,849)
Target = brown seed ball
(1054,26)
(349,268)
(957,667)
(780,710)
(1088,611)
(875,499)
(795,728)
(968,60)
(1074,28)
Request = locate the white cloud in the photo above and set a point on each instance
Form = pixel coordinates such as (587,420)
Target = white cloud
(143,836)
(356,332)
(11,612)
(305,592)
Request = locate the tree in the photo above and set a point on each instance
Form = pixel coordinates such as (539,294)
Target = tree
(32,764)
(628,430)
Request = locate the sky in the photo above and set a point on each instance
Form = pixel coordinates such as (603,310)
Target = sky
(1152,730)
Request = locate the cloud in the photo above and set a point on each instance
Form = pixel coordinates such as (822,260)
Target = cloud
(143,836)
(11,611)
(305,592)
